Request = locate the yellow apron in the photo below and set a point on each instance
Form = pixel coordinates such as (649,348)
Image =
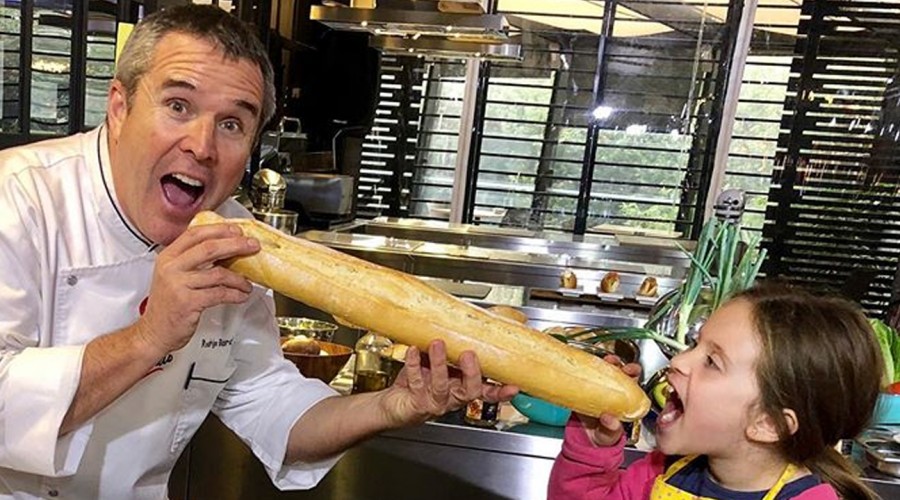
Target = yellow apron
(665,491)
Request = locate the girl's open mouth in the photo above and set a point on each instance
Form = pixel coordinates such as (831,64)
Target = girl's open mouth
(673,409)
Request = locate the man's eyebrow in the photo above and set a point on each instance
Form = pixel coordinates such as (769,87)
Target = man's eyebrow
(172,83)
(249,106)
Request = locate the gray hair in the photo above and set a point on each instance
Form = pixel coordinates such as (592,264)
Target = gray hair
(234,37)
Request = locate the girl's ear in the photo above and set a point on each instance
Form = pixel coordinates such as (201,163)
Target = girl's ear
(762,428)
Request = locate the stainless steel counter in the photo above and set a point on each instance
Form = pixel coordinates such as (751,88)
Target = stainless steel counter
(438,460)
(509,256)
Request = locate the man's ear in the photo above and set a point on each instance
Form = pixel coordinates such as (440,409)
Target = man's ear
(116,108)
(762,428)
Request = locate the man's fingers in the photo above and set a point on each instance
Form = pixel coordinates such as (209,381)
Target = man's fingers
(202,246)
(206,253)
(471,376)
(414,377)
(218,276)
(196,234)
(496,394)
(440,380)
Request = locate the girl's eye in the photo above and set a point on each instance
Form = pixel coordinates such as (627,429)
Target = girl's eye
(711,363)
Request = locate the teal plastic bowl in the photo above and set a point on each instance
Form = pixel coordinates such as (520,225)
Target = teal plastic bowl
(540,411)
(887,409)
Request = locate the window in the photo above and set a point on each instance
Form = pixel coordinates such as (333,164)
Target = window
(757,124)
(554,152)
(443,88)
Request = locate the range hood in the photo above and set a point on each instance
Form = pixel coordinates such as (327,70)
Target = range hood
(424,27)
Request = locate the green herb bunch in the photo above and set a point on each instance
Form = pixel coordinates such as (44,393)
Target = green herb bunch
(725,262)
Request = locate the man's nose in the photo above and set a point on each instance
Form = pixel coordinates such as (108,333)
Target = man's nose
(200,139)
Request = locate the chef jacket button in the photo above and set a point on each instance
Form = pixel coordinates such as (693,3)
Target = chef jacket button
(72,280)
(54,493)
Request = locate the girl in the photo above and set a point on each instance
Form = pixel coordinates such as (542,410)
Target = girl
(777,377)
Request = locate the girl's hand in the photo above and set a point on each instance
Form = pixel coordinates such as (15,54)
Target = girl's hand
(607,430)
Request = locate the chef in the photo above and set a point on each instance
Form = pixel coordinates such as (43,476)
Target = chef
(118,333)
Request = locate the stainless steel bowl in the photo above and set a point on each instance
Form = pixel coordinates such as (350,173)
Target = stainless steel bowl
(282,220)
(626,350)
(312,328)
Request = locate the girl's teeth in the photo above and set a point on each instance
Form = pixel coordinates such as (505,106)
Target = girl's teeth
(667,417)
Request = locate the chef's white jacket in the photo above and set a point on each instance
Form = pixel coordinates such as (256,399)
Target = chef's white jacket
(73,268)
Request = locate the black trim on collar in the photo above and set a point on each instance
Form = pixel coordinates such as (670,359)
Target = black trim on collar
(112,200)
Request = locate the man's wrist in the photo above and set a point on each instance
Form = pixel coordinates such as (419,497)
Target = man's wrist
(144,341)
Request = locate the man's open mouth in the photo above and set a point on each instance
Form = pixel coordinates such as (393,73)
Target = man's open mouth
(180,190)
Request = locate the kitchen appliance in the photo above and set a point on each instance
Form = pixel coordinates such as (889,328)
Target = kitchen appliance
(321,199)
(267,195)
(445,29)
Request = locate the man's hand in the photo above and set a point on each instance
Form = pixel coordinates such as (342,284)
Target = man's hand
(607,430)
(186,282)
(421,392)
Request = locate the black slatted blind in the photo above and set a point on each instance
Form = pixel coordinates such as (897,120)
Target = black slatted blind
(389,151)
(833,217)
(10,26)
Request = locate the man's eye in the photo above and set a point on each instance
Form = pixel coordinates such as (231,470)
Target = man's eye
(177,106)
(232,126)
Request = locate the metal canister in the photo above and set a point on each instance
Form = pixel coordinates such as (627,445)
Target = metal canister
(267,190)
(373,363)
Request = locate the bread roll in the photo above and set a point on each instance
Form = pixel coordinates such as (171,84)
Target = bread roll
(412,312)
(462,6)
(568,279)
(649,288)
(610,282)
(509,313)
(301,345)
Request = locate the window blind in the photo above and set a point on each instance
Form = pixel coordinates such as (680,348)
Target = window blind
(832,219)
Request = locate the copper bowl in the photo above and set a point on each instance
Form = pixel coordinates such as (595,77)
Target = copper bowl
(321,366)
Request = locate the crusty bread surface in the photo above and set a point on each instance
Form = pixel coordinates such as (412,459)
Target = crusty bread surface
(509,313)
(413,312)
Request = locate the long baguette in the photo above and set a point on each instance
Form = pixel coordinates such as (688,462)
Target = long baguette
(412,312)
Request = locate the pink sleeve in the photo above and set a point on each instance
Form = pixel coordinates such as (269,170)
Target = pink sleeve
(583,470)
(821,492)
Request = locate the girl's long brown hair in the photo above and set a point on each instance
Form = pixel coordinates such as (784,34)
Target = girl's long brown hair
(819,358)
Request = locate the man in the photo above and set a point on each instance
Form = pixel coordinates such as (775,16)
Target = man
(118,333)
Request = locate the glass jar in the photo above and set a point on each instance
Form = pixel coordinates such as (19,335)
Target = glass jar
(480,413)
(373,363)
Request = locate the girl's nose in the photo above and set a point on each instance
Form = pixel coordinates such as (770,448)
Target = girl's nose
(680,363)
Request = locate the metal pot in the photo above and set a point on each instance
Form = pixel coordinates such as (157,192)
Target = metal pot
(282,220)
(667,323)
(627,350)
(312,328)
